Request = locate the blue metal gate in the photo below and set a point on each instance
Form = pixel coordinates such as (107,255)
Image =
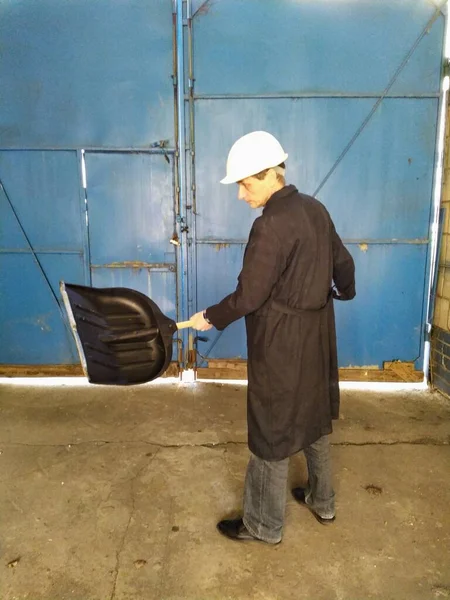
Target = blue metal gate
(352,90)
(91,88)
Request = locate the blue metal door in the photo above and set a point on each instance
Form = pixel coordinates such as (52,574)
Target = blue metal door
(90,87)
(351,89)
(43,189)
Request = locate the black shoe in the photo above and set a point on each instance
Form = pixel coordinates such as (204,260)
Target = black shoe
(235,530)
(299,495)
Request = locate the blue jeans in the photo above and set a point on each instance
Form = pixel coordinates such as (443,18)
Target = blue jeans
(265,491)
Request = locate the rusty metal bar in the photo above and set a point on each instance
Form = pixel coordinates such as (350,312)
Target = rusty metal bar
(38,251)
(135,264)
(97,149)
(414,242)
(306,95)
(202,9)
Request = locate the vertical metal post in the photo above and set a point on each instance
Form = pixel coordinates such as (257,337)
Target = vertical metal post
(176,185)
(183,230)
(191,208)
(433,254)
(84,217)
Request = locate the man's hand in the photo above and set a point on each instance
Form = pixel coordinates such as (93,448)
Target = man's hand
(199,322)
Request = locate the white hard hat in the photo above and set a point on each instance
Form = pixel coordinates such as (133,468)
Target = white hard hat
(251,154)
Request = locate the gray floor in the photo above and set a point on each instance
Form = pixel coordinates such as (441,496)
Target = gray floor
(114,494)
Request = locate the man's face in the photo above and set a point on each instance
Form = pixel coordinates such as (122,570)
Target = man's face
(254,191)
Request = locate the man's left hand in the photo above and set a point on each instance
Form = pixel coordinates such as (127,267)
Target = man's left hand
(199,322)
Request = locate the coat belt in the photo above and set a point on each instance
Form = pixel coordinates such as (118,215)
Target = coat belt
(288,310)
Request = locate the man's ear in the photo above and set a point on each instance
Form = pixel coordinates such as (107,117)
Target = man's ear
(271,176)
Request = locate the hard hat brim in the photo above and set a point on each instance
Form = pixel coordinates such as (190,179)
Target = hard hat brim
(228,179)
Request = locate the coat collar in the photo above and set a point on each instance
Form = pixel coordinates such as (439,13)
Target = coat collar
(287,190)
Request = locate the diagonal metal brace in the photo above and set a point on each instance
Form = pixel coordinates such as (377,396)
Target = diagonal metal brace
(393,79)
(41,269)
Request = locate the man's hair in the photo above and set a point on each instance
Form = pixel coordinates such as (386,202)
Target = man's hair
(278,168)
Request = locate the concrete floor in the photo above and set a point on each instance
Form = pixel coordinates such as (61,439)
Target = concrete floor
(114,494)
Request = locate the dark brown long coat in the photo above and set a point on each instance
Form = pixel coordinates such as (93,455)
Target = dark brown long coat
(292,257)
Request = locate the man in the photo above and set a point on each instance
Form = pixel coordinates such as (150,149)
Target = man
(285,293)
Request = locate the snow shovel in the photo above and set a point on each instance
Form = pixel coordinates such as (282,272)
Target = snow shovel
(122,336)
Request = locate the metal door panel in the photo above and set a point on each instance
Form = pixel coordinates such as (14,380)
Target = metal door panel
(226,260)
(44,188)
(314,46)
(384,181)
(32,328)
(131,208)
(229,344)
(312,131)
(91,73)
(381,324)
(421,75)
(131,221)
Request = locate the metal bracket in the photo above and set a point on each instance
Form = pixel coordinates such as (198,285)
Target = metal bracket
(446,68)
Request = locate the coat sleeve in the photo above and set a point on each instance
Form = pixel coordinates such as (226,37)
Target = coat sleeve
(343,269)
(262,267)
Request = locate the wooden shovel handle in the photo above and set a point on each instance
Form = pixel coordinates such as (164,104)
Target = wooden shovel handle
(184,324)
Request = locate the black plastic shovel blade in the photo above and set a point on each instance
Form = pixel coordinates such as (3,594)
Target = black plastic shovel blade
(122,336)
